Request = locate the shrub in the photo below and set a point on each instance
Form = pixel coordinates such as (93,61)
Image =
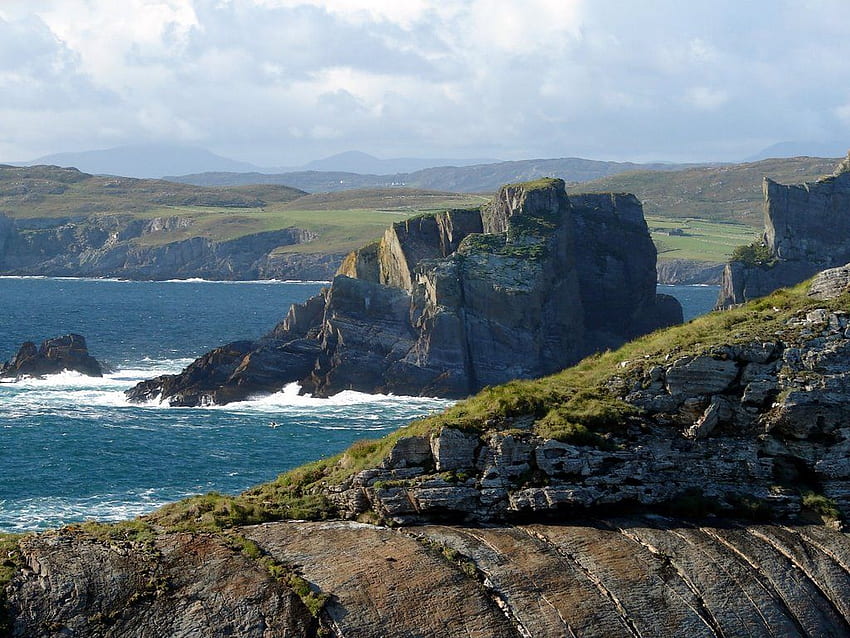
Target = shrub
(755,254)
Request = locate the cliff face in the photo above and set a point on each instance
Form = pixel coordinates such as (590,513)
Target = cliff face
(807,229)
(446,304)
(112,246)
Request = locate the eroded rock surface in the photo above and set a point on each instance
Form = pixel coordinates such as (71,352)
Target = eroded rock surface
(55,355)
(446,304)
(806,229)
(626,576)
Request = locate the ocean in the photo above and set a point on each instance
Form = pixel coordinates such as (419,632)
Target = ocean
(74,449)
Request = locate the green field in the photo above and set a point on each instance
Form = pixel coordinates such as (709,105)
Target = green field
(722,193)
(343,220)
(700,239)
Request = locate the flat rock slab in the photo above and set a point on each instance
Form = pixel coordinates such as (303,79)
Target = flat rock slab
(383,582)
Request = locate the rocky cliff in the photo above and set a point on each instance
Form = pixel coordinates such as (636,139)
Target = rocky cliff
(693,482)
(446,304)
(807,229)
(55,355)
(116,246)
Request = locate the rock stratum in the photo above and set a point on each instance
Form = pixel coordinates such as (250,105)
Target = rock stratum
(59,354)
(446,304)
(113,246)
(693,482)
(806,230)
(639,576)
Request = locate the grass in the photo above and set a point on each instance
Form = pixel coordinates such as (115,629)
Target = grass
(720,193)
(580,405)
(10,561)
(701,240)
(344,221)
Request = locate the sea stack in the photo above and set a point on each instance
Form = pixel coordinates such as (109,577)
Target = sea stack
(68,352)
(447,303)
(806,230)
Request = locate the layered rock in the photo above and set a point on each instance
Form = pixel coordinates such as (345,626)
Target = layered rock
(66,353)
(626,576)
(445,304)
(641,524)
(112,246)
(806,229)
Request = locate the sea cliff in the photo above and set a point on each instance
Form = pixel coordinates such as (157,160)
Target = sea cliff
(806,230)
(446,304)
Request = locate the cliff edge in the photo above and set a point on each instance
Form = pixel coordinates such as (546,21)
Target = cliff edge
(806,230)
(446,304)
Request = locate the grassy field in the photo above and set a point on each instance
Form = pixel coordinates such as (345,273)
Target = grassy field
(700,240)
(343,220)
(721,193)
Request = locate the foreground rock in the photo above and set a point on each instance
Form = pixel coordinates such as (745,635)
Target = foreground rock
(628,496)
(639,576)
(806,230)
(60,354)
(753,428)
(446,304)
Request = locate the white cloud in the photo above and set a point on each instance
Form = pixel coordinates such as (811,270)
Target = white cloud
(285,81)
(706,98)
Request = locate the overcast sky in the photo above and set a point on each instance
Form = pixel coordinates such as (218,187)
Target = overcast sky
(281,82)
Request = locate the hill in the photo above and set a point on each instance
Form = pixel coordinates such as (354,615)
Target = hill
(729,193)
(63,222)
(481,178)
(144,160)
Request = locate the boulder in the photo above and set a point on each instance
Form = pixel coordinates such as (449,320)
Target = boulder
(66,353)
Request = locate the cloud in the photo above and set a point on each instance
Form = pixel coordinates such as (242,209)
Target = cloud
(285,81)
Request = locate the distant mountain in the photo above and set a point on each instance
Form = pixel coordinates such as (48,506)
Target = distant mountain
(802,149)
(363,163)
(145,160)
(478,178)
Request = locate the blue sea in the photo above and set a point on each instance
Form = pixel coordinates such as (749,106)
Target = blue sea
(73,448)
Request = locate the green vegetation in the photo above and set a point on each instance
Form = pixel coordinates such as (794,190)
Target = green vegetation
(697,239)
(754,254)
(823,506)
(286,574)
(720,193)
(10,561)
(134,531)
(343,220)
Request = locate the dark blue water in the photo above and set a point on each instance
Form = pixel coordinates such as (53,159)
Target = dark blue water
(72,448)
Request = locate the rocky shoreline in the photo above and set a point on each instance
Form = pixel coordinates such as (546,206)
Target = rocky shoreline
(697,486)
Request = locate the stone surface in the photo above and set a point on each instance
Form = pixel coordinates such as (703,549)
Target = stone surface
(806,228)
(113,246)
(438,308)
(59,354)
(626,576)
(178,585)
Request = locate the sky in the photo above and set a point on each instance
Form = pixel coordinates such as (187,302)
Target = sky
(283,82)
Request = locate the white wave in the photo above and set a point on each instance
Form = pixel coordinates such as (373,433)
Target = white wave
(289,398)
(50,512)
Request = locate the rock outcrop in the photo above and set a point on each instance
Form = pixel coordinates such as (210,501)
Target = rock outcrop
(446,304)
(806,229)
(688,272)
(66,353)
(637,576)
(114,246)
(670,488)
